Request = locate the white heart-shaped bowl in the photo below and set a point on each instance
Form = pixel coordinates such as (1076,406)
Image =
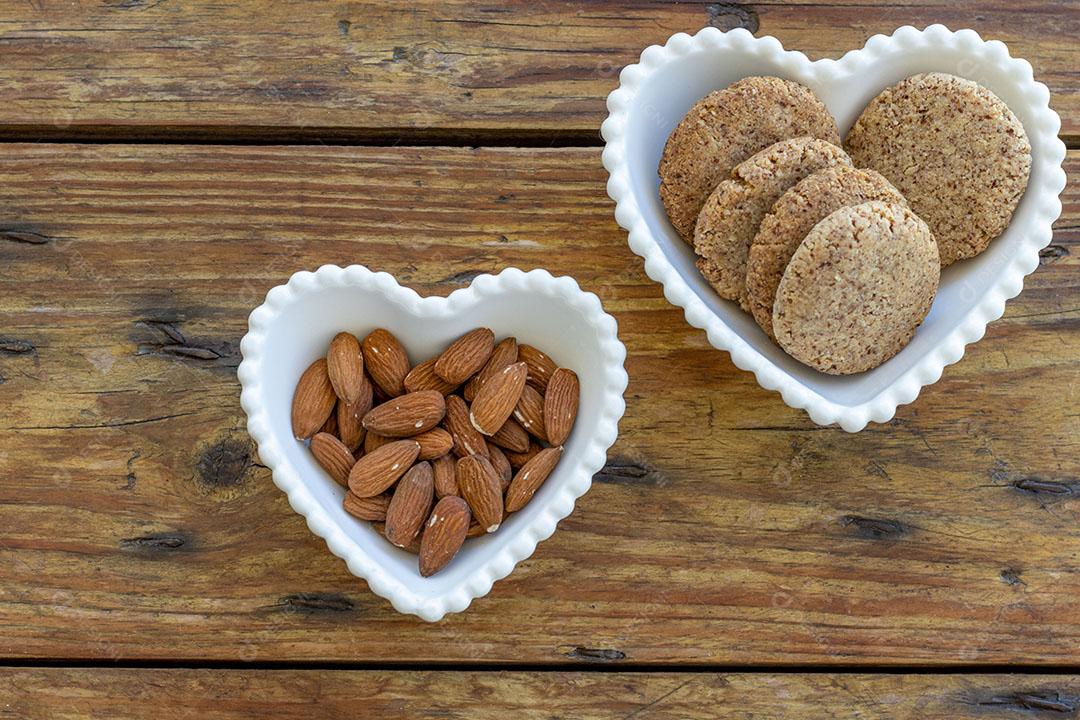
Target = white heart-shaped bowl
(294,327)
(653,96)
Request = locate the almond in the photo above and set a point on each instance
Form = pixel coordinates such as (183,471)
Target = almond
(386,361)
(369,508)
(331,424)
(519,459)
(467,441)
(540,365)
(434,443)
(374,441)
(423,377)
(530,412)
(475,530)
(413,547)
(334,457)
(345,365)
(530,477)
(512,437)
(465,356)
(381,468)
(313,400)
(505,353)
(503,471)
(407,415)
(445,471)
(349,417)
(410,505)
(497,398)
(481,489)
(561,405)
(444,534)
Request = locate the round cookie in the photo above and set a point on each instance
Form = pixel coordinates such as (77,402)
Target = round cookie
(731,216)
(793,216)
(857,288)
(956,152)
(726,127)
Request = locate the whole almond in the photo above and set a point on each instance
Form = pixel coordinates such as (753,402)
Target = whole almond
(561,405)
(497,398)
(465,356)
(350,417)
(540,365)
(345,365)
(434,443)
(444,534)
(334,457)
(518,459)
(374,441)
(423,377)
(406,415)
(481,489)
(530,477)
(512,437)
(467,441)
(503,471)
(381,468)
(530,412)
(369,508)
(386,361)
(505,353)
(445,471)
(410,505)
(313,400)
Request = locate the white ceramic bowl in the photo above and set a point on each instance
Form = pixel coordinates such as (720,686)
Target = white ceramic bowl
(294,327)
(653,96)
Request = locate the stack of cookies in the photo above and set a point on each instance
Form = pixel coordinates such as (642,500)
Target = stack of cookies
(837,252)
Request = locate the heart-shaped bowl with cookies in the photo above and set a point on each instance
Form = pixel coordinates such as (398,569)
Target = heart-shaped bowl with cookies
(293,328)
(654,95)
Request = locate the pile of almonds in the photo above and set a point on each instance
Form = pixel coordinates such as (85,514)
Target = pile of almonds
(439,452)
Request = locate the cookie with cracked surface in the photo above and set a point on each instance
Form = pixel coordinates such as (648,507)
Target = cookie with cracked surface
(857,288)
(726,127)
(793,216)
(956,152)
(733,212)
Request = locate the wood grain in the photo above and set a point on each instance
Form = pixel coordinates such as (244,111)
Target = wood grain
(727,528)
(68,694)
(516,71)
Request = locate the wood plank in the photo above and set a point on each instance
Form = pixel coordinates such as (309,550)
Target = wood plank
(61,694)
(727,528)
(456,68)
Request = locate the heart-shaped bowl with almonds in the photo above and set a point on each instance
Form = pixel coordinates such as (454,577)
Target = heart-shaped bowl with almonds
(294,327)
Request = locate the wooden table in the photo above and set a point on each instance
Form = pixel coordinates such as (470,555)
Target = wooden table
(167,161)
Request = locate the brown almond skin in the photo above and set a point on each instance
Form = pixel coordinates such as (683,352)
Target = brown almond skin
(345,366)
(530,412)
(386,361)
(505,353)
(407,415)
(313,400)
(333,456)
(371,508)
(511,436)
(501,464)
(561,405)
(374,441)
(540,365)
(467,441)
(444,533)
(379,469)
(497,398)
(434,443)
(413,547)
(410,505)
(519,459)
(465,356)
(475,530)
(530,477)
(350,417)
(482,490)
(423,377)
(445,470)
(331,424)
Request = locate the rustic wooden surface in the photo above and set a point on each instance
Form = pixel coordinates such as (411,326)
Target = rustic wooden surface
(59,694)
(727,535)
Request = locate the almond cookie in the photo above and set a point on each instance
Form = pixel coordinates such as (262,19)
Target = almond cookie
(956,152)
(793,216)
(731,216)
(857,288)
(726,127)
